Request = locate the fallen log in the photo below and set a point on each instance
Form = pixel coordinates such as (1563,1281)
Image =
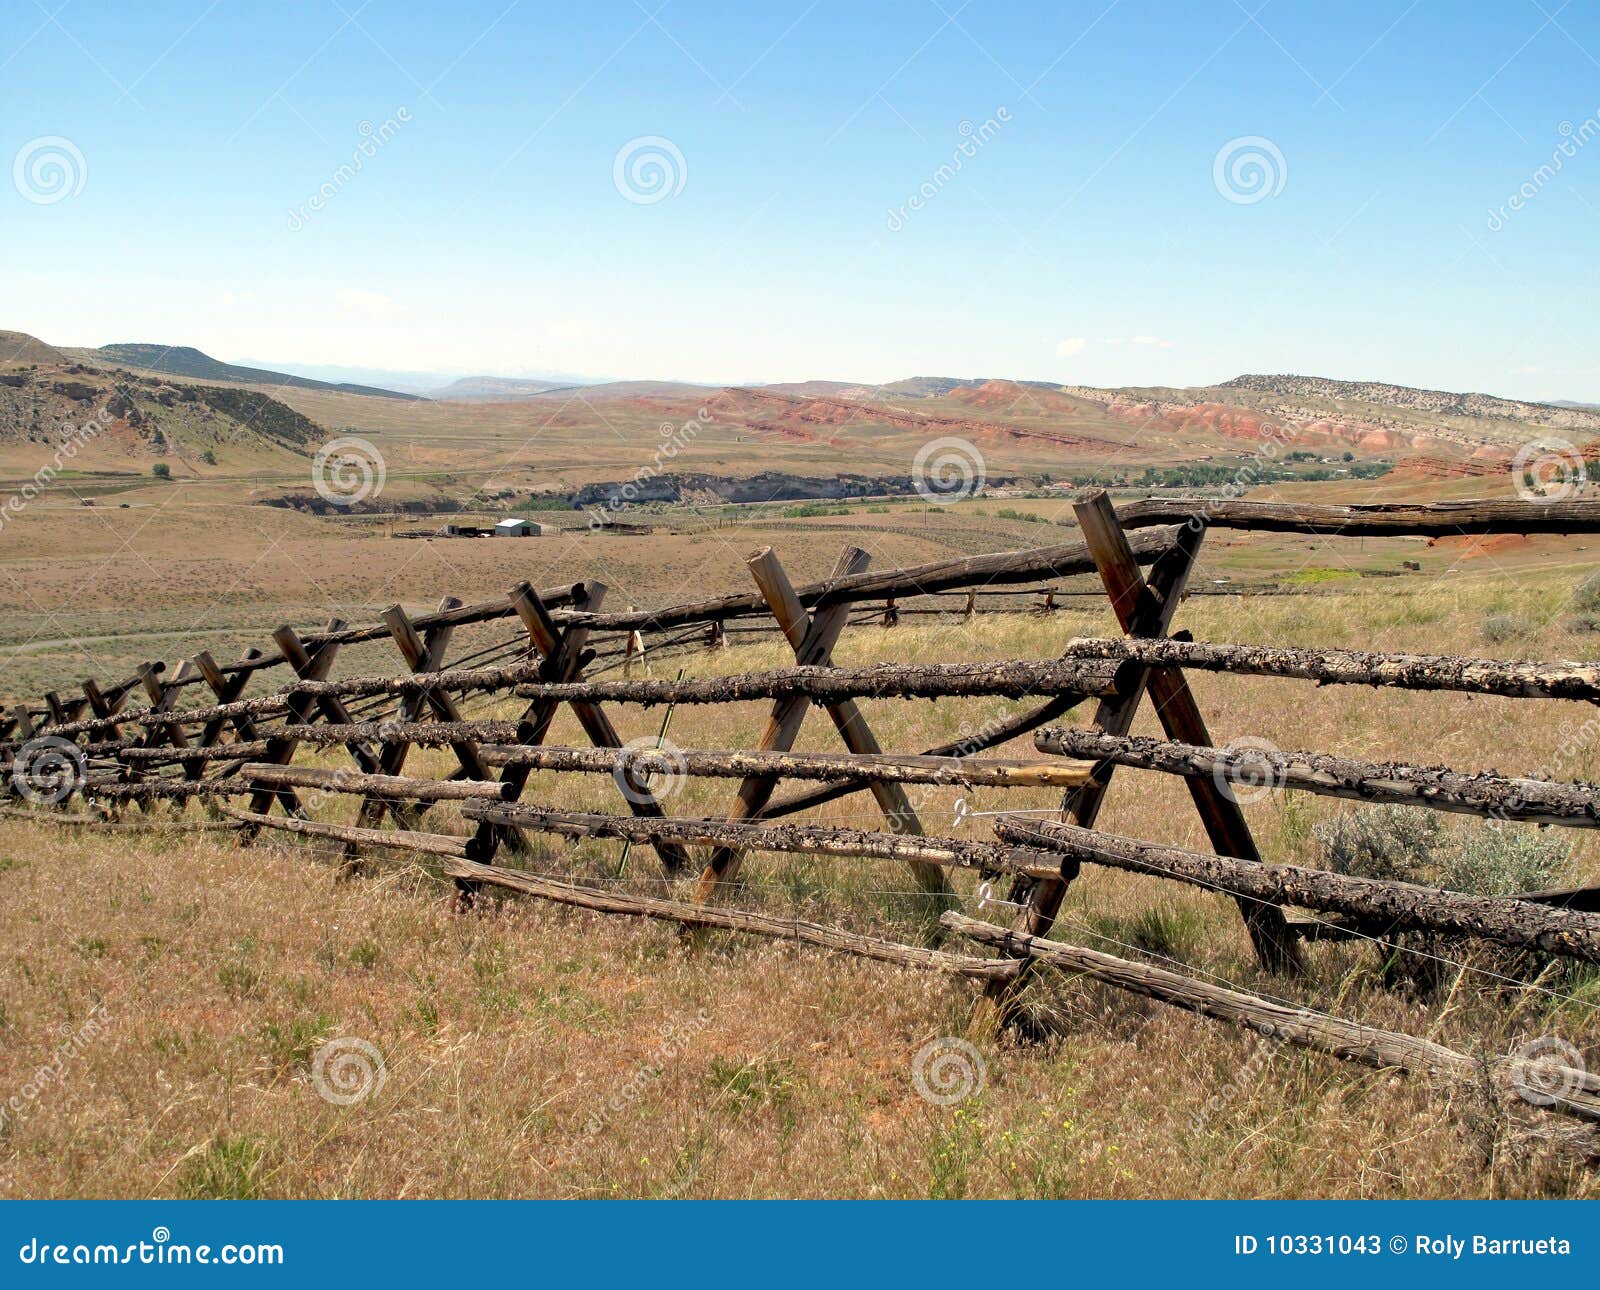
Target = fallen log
(696,915)
(1537,801)
(1515,679)
(896,768)
(389,787)
(454,865)
(151,790)
(1383,519)
(103,824)
(1585,899)
(439,844)
(1385,907)
(43,816)
(1576,1093)
(799,839)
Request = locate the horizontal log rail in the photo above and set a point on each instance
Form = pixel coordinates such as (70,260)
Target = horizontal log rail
(1003,568)
(894,768)
(1385,907)
(796,839)
(990,734)
(396,787)
(138,755)
(1537,801)
(1302,1027)
(1507,677)
(1039,849)
(1381,519)
(453,865)
(1007,679)
(1077,679)
(437,844)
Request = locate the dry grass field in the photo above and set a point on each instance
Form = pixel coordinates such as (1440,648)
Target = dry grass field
(166,995)
(530,1050)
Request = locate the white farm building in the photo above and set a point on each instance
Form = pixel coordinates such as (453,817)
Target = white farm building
(518,528)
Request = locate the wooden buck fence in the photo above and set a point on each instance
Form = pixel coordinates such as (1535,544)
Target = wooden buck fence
(100,761)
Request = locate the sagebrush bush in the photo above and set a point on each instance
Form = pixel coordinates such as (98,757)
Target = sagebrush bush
(1498,859)
(1504,627)
(1408,844)
(1586,598)
(1395,843)
(1586,605)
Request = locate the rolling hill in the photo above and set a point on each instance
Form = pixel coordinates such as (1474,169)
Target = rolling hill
(186,361)
(121,422)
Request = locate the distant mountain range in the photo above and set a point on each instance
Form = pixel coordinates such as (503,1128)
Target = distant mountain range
(494,389)
(184,360)
(17,348)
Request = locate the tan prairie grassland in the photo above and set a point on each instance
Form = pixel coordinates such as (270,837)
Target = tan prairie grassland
(165,996)
(523,1045)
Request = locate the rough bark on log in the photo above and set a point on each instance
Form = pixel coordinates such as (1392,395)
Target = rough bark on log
(1574,805)
(1386,519)
(997,569)
(139,756)
(990,735)
(898,768)
(388,787)
(795,839)
(1302,1027)
(694,915)
(1391,906)
(1060,677)
(1558,679)
(1005,679)
(439,844)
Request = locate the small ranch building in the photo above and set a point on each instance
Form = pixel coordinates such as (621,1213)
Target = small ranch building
(518,528)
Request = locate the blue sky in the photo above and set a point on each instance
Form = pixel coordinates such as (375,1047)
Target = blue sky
(1093,231)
